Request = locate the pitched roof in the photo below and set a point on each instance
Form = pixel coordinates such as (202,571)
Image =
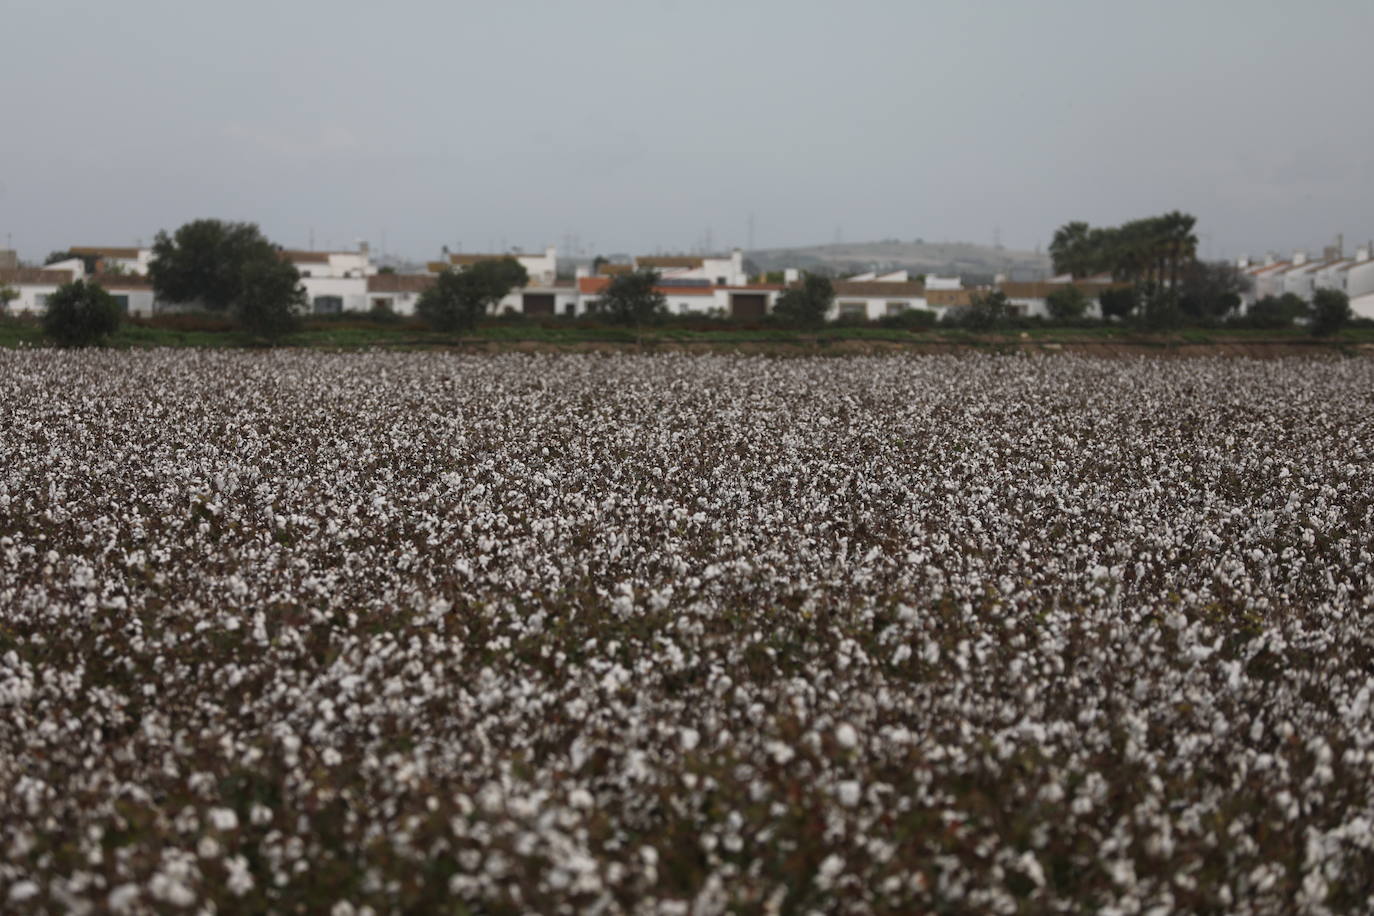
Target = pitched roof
(296,256)
(121,281)
(879,289)
(467,260)
(951,297)
(610,270)
(1042,290)
(104,252)
(667,287)
(35,276)
(670,261)
(399,283)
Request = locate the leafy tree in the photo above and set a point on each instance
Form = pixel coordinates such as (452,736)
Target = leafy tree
(1158,307)
(228,267)
(386,270)
(459,298)
(1210,290)
(633,298)
(81,314)
(807,304)
(988,312)
(7,295)
(1330,311)
(1073,251)
(1067,303)
(270,298)
(1117,302)
(1277,311)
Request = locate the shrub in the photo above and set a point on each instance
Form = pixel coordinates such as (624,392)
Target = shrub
(910,320)
(1330,311)
(1067,304)
(81,314)
(1276,311)
(1118,302)
(806,305)
(989,311)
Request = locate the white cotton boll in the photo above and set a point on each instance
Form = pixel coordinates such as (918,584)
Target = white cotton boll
(689,738)
(21,891)
(846,736)
(123,898)
(829,870)
(848,793)
(223,819)
(781,753)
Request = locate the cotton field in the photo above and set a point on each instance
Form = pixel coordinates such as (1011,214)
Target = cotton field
(685,635)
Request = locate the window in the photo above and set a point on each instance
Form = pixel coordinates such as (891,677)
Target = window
(41,300)
(305,273)
(123,302)
(720,281)
(570,309)
(896,308)
(328,305)
(853,310)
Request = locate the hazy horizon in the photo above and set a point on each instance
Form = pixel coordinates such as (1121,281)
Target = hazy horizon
(617,127)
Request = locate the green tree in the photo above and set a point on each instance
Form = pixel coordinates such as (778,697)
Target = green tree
(1277,311)
(459,298)
(1330,311)
(1209,290)
(988,312)
(1117,302)
(633,298)
(81,314)
(1067,303)
(1073,250)
(270,298)
(7,295)
(806,305)
(228,267)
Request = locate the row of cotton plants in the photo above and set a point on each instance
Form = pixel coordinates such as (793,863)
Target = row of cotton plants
(566,634)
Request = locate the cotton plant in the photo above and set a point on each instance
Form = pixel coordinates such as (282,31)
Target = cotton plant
(357,633)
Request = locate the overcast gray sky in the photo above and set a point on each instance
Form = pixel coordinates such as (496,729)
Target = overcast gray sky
(642,126)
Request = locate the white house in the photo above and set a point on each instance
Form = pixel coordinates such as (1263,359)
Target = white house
(717,271)
(112,260)
(873,299)
(34,285)
(1356,277)
(695,296)
(334,281)
(133,292)
(542,268)
(397,293)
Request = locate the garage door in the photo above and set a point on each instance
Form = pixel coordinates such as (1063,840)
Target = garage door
(537,303)
(748,305)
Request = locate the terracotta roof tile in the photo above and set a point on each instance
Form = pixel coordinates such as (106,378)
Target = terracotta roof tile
(98,251)
(399,283)
(35,276)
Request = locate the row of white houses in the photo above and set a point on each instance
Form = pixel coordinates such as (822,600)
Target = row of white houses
(349,281)
(1303,276)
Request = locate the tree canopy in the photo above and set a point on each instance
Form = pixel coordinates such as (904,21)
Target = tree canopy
(203,262)
(1330,311)
(459,298)
(808,303)
(81,314)
(1067,303)
(633,298)
(1154,249)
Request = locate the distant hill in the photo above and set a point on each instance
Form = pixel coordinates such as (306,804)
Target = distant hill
(946,258)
